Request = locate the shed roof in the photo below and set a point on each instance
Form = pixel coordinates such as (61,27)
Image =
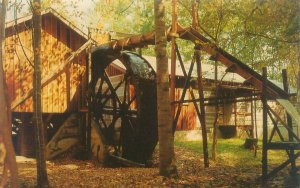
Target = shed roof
(208,70)
(48,11)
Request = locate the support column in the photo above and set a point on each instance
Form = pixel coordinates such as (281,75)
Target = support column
(265,127)
(202,108)
(200,85)
(252,119)
(89,118)
(289,121)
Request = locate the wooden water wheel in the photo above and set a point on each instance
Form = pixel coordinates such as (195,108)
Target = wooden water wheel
(124,106)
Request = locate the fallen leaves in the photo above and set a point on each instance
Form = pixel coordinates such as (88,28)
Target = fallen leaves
(75,173)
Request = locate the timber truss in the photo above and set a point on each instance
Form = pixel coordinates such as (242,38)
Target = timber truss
(267,90)
(290,142)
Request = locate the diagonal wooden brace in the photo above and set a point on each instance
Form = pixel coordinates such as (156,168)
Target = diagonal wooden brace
(46,80)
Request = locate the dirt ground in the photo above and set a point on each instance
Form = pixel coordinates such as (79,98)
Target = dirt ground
(75,173)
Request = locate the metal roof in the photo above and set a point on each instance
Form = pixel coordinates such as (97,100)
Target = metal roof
(208,71)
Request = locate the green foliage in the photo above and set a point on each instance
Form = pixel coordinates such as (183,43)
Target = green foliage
(127,16)
(258,32)
(233,149)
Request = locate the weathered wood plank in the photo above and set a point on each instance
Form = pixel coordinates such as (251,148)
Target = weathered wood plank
(46,80)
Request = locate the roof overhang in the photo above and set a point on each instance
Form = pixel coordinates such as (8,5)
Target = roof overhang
(48,11)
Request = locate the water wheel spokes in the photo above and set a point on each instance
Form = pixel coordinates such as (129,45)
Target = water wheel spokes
(115,112)
(124,105)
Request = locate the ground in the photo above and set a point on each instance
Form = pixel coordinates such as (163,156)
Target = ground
(235,167)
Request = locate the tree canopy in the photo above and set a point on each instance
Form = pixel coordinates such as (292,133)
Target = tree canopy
(259,32)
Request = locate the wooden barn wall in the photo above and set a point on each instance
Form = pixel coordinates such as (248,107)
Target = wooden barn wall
(226,114)
(188,116)
(66,91)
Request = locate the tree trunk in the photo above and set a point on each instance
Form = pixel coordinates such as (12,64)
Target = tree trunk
(5,115)
(173,57)
(167,162)
(298,95)
(42,179)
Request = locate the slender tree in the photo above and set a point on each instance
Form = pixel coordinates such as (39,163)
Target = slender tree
(167,162)
(42,179)
(5,115)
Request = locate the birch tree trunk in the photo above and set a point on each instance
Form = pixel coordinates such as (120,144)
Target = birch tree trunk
(42,179)
(167,162)
(5,115)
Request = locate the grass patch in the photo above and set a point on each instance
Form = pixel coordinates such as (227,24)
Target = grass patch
(231,152)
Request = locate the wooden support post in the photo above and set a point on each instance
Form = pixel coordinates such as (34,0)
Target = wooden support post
(289,121)
(173,57)
(68,87)
(202,108)
(235,113)
(255,120)
(283,165)
(215,139)
(265,127)
(252,119)
(47,79)
(83,127)
(195,16)
(255,126)
(185,87)
(89,117)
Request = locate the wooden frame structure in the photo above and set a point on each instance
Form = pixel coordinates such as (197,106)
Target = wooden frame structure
(269,91)
(289,144)
(262,86)
(65,77)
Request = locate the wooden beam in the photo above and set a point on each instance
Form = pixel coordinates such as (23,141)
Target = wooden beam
(284,146)
(228,60)
(207,103)
(283,123)
(202,108)
(206,45)
(275,128)
(231,68)
(89,114)
(186,85)
(283,165)
(289,119)
(265,126)
(126,162)
(46,80)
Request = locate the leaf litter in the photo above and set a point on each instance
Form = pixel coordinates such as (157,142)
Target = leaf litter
(76,173)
